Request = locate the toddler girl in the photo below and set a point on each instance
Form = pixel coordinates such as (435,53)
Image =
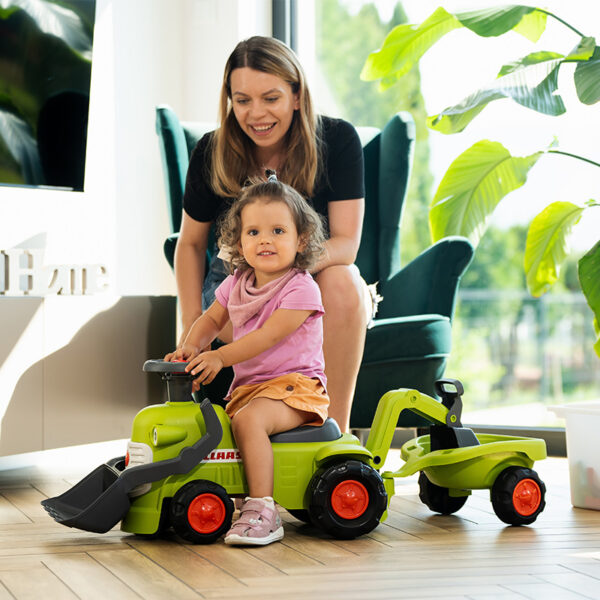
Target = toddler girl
(274,304)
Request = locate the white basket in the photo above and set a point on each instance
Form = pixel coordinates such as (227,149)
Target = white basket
(582,422)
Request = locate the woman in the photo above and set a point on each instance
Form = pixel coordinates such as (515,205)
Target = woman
(267,121)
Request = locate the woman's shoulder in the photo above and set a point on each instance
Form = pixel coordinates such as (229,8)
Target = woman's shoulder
(338,135)
(334,126)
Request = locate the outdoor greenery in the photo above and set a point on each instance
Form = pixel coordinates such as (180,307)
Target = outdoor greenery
(485,173)
(343,41)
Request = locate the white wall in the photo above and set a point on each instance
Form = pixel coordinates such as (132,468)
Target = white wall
(146,52)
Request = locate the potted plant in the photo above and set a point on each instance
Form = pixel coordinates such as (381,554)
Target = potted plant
(484,174)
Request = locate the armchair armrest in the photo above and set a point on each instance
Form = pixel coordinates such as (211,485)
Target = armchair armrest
(428,284)
(169,248)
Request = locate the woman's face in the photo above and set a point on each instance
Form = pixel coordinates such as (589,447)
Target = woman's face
(263,105)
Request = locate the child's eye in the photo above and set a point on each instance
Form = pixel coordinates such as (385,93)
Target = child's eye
(252,232)
(278,230)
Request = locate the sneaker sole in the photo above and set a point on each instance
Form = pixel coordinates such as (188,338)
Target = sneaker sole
(238,540)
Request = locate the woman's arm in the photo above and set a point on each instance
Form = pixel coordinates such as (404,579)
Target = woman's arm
(190,260)
(279,325)
(204,330)
(345,228)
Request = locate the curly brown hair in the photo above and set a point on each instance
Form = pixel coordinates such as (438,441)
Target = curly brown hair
(308,222)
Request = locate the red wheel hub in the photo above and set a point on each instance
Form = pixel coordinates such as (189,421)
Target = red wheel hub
(527,497)
(206,513)
(349,499)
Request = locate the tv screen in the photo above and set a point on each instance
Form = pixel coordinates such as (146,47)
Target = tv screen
(45,68)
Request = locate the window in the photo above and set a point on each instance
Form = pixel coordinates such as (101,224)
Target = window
(515,354)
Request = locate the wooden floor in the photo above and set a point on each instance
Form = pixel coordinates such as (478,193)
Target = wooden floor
(415,554)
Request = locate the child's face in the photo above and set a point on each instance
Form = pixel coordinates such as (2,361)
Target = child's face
(269,240)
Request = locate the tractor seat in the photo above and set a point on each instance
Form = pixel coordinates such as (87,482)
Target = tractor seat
(328,432)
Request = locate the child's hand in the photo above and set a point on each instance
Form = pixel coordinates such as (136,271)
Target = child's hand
(184,353)
(206,366)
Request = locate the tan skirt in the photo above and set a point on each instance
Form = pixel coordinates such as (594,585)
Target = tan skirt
(296,390)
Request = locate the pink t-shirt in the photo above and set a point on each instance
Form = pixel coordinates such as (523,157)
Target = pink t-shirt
(301,351)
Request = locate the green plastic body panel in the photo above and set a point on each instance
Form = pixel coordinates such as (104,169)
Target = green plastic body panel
(294,464)
(471,468)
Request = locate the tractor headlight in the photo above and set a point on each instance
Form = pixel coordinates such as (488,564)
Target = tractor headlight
(165,435)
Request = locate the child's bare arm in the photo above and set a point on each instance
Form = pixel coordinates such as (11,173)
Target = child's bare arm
(279,325)
(204,330)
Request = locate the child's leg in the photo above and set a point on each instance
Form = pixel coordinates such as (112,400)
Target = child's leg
(259,521)
(252,427)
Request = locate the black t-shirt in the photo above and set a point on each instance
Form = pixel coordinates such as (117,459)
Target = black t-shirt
(342,175)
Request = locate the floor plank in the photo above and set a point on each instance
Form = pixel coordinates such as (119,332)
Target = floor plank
(469,556)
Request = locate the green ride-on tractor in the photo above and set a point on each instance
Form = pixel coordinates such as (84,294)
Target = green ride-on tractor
(183,467)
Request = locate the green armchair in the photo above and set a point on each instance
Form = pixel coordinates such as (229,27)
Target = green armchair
(409,342)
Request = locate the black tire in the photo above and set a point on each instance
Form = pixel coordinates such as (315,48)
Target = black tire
(347,499)
(201,512)
(301,514)
(438,499)
(518,496)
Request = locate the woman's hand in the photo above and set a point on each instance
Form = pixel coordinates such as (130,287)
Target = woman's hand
(205,366)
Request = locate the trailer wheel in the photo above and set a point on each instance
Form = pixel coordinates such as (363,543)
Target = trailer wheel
(201,512)
(347,499)
(438,499)
(518,496)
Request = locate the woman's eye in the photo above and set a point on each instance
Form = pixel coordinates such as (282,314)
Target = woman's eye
(272,99)
(241,101)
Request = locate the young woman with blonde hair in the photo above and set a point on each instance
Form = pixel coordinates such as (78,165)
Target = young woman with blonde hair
(267,121)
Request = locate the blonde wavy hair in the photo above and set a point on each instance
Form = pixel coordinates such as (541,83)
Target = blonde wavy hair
(308,222)
(232,151)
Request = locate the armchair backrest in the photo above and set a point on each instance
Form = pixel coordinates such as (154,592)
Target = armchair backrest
(388,158)
(176,139)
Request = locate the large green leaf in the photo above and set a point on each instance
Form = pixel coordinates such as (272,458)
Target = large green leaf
(497,20)
(587,79)
(472,187)
(55,20)
(405,45)
(19,141)
(531,59)
(546,247)
(589,278)
(533,85)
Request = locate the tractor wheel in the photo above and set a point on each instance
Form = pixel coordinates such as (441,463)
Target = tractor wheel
(518,496)
(201,512)
(347,499)
(438,499)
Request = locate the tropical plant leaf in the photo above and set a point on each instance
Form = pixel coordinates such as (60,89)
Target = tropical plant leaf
(532,25)
(587,79)
(18,138)
(56,20)
(546,247)
(405,45)
(472,187)
(584,49)
(589,278)
(533,86)
(531,59)
(497,20)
